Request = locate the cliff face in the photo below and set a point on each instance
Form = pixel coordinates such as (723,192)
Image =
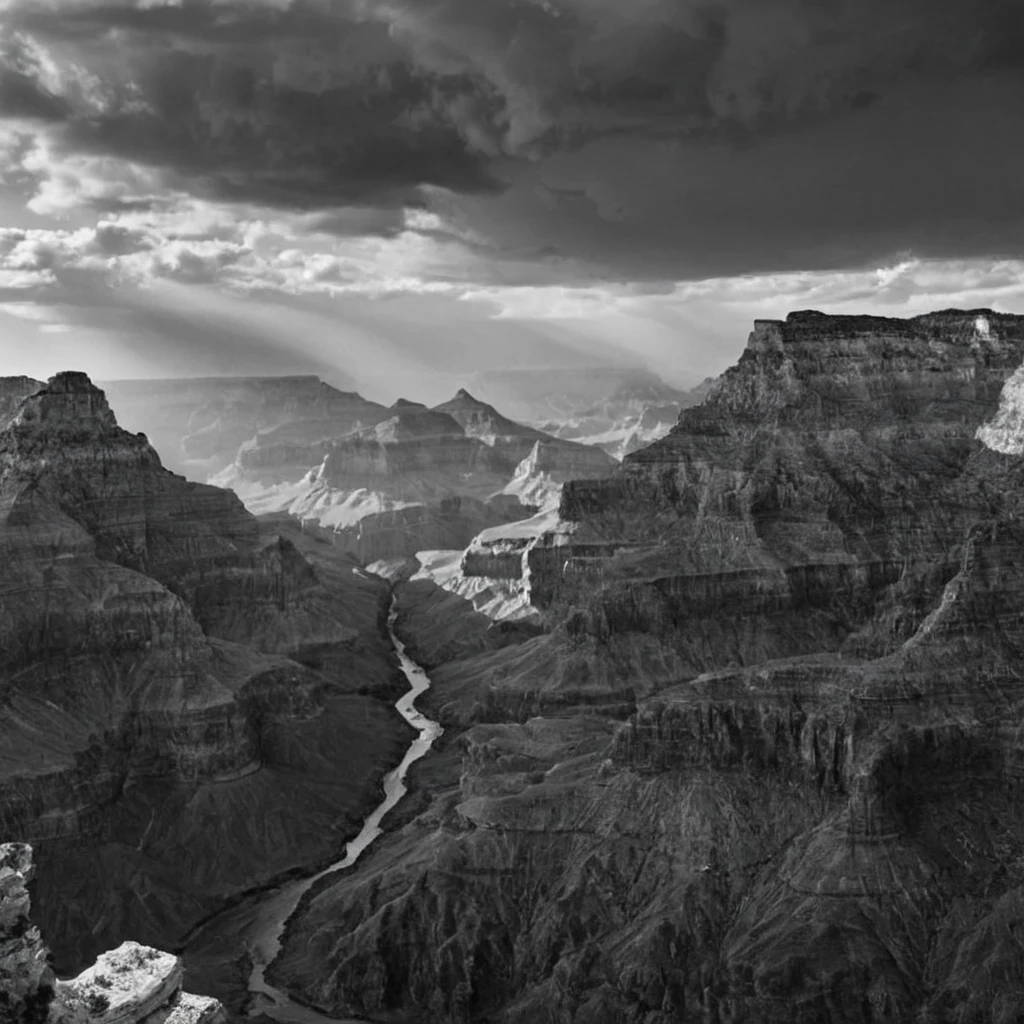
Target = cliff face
(837,457)
(160,689)
(805,804)
(13,391)
(418,479)
(450,524)
(130,985)
(539,478)
(27,981)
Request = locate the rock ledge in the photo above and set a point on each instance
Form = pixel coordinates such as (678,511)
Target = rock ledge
(133,984)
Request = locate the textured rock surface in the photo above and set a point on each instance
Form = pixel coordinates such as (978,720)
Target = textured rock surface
(132,984)
(176,682)
(515,443)
(539,477)
(429,479)
(26,978)
(13,391)
(808,598)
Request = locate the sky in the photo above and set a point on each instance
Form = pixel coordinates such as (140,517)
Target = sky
(398,193)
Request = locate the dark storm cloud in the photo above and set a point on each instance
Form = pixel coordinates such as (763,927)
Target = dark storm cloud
(655,138)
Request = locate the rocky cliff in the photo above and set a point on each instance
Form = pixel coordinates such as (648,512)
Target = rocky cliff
(513,443)
(805,803)
(13,391)
(130,985)
(175,681)
(539,477)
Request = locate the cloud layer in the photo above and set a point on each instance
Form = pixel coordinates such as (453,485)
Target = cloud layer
(660,139)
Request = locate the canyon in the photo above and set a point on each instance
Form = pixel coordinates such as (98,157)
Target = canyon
(761,763)
(730,731)
(193,702)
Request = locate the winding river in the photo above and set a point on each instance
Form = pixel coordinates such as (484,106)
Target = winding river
(264,929)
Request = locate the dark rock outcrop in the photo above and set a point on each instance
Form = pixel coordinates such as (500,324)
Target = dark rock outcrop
(27,981)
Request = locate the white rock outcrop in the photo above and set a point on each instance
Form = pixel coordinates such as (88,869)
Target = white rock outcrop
(133,984)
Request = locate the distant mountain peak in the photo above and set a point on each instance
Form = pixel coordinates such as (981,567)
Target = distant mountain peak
(405,403)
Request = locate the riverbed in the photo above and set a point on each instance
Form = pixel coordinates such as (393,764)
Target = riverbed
(261,921)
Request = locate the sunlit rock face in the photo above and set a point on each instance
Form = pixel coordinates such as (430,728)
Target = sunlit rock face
(429,479)
(764,765)
(13,391)
(538,479)
(173,676)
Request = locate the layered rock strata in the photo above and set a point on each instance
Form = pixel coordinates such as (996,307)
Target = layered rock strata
(809,597)
(175,682)
(418,469)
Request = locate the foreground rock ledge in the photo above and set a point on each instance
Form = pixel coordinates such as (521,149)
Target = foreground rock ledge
(132,984)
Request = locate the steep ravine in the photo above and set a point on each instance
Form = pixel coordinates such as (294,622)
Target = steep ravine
(259,924)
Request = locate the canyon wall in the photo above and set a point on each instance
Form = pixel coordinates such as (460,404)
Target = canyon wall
(764,764)
(176,681)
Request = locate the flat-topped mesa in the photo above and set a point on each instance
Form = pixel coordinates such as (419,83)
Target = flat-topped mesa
(838,456)
(834,372)
(419,453)
(813,372)
(198,425)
